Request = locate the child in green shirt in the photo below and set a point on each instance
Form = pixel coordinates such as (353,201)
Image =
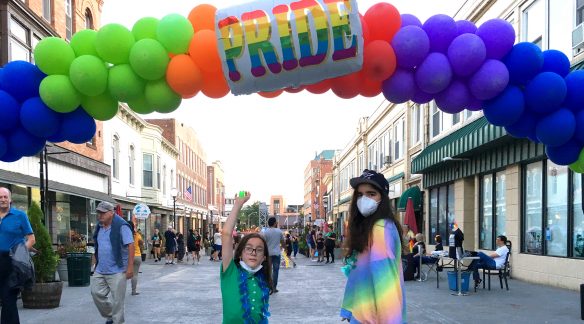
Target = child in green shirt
(246,278)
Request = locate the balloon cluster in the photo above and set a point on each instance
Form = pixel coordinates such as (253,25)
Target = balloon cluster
(543,102)
(452,62)
(27,122)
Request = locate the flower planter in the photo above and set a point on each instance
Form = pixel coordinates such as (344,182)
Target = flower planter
(43,295)
(62,270)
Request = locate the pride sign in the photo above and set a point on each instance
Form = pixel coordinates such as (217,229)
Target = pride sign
(270,45)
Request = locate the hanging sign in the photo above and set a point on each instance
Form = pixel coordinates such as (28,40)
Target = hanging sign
(141,211)
(270,45)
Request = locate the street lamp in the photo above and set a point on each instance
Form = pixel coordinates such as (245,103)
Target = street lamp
(174,194)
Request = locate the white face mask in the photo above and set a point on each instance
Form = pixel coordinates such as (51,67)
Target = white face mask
(366,206)
(248,268)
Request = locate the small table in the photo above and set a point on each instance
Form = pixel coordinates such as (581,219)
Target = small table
(458,275)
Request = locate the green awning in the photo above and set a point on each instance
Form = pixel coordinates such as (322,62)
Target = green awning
(395,177)
(457,144)
(577,66)
(416,195)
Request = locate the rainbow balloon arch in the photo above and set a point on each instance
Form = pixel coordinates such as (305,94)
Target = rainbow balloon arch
(268,47)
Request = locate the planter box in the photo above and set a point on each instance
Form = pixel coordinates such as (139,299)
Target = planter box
(43,295)
(62,270)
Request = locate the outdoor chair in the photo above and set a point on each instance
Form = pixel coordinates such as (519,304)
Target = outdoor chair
(503,272)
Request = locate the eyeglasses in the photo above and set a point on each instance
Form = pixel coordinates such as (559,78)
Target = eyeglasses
(258,250)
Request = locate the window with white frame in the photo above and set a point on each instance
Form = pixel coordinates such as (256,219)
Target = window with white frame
(158,172)
(579,12)
(545,23)
(436,124)
(47,10)
(131,161)
(416,125)
(147,170)
(534,23)
(116,157)
(371,157)
(164,180)
(68,19)
(88,19)
(456,118)
(398,139)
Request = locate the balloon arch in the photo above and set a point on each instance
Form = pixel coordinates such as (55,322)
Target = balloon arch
(268,47)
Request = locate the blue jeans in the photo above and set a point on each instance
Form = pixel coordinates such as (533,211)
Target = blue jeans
(295,248)
(485,262)
(275,269)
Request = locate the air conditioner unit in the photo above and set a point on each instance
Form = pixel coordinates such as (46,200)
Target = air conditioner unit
(578,39)
(387,159)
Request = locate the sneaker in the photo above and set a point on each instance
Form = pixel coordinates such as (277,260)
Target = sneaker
(135,293)
(327,262)
(332,261)
(477,283)
(156,260)
(109,322)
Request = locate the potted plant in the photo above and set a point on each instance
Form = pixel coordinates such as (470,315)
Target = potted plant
(76,244)
(46,292)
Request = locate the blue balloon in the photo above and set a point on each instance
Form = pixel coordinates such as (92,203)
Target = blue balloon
(575,96)
(556,129)
(3,145)
(38,119)
(455,98)
(579,133)
(506,108)
(557,62)
(465,27)
(10,112)
(466,54)
(10,156)
(524,127)
(489,81)
(441,30)
(77,127)
(1,72)
(434,74)
(410,20)
(545,93)
(523,62)
(565,154)
(22,80)
(400,87)
(23,143)
(411,46)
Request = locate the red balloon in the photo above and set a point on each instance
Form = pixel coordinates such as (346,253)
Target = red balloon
(294,90)
(369,88)
(365,30)
(379,62)
(319,87)
(347,86)
(383,21)
(271,94)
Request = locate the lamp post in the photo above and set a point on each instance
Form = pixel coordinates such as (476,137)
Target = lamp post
(249,219)
(174,194)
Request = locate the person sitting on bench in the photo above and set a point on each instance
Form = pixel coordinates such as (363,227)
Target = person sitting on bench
(493,261)
(418,251)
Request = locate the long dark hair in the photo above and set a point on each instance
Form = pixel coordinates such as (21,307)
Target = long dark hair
(266,265)
(361,227)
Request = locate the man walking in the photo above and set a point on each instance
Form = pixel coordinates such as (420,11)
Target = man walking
(274,237)
(14,227)
(170,245)
(113,248)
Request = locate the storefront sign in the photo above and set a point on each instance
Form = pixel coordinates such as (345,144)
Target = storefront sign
(141,211)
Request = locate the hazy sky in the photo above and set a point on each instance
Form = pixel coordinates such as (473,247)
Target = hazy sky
(265,144)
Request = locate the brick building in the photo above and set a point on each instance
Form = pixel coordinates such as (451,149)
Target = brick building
(314,186)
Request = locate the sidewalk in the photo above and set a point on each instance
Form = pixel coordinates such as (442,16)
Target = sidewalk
(310,293)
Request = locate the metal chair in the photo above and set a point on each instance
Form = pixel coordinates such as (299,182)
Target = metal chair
(503,273)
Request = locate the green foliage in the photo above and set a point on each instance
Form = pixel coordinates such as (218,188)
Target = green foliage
(45,261)
(249,216)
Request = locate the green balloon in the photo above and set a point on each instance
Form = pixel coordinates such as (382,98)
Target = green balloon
(102,107)
(124,84)
(141,106)
(149,59)
(145,28)
(175,33)
(161,96)
(89,75)
(53,55)
(83,42)
(113,43)
(59,94)
(578,166)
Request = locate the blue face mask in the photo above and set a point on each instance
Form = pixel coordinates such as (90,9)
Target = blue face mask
(367,206)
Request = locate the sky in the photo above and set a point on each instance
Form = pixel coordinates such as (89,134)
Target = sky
(264,145)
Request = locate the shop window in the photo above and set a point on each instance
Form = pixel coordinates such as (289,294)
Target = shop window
(578,232)
(442,215)
(88,19)
(493,209)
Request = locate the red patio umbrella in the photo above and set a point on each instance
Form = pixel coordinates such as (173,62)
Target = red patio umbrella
(410,218)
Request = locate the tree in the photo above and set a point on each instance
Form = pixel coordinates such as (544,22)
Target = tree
(249,215)
(45,261)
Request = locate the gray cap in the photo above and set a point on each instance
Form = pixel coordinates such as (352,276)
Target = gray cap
(104,207)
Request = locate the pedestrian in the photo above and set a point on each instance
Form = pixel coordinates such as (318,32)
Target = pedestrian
(138,246)
(217,246)
(320,248)
(329,244)
(15,229)
(289,248)
(295,245)
(374,292)
(274,238)
(180,245)
(198,244)
(245,275)
(170,245)
(114,249)
(191,245)
(156,244)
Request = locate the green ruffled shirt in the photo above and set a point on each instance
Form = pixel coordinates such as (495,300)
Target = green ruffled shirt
(232,308)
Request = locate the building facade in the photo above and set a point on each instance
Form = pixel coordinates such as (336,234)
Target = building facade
(216,194)
(314,188)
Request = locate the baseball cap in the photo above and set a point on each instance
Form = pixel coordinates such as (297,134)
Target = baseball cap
(104,207)
(373,178)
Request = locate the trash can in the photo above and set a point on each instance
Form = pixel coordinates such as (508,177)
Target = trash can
(453,282)
(79,269)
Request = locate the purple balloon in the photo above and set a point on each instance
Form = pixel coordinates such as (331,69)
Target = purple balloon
(465,26)
(421,97)
(411,46)
(410,20)
(575,96)
(524,127)
(454,99)
(400,87)
(475,104)
(545,93)
(434,74)
(490,80)
(441,30)
(466,54)
(499,37)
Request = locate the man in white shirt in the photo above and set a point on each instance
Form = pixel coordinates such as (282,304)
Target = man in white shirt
(493,261)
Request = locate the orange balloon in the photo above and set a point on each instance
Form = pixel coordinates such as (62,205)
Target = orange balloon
(203,17)
(271,94)
(203,49)
(214,85)
(184,76)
